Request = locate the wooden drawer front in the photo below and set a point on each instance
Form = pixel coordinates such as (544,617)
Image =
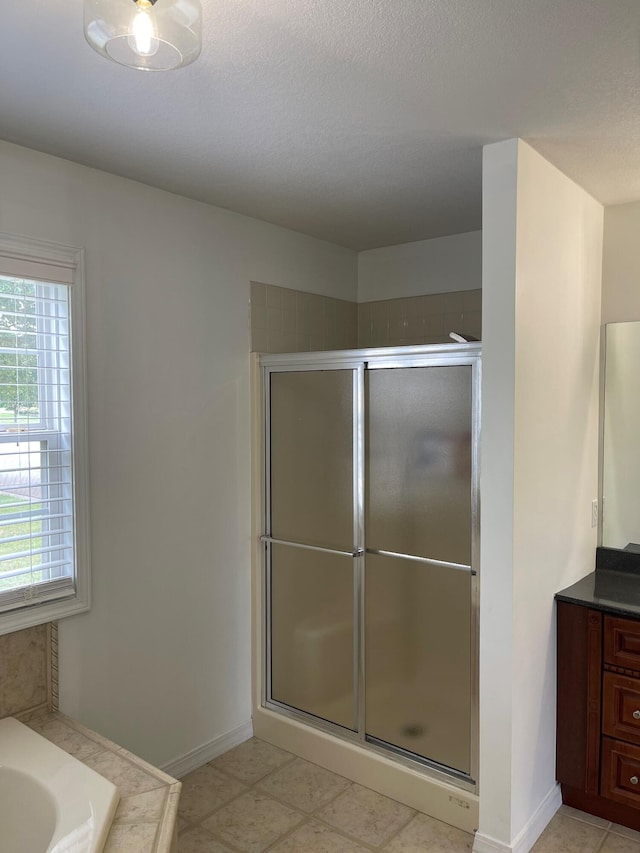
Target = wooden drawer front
(622,642)
(620,779)
(620,702)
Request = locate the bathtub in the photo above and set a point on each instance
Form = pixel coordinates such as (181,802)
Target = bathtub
(49,801)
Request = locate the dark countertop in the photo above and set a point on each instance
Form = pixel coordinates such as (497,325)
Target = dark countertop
(611,591)
(613,587)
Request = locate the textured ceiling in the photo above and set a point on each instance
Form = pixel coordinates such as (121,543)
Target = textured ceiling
(357,121)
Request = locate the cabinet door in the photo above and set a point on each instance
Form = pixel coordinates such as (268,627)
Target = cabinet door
(621,707)
(622,642)
(579,679)
(621,772)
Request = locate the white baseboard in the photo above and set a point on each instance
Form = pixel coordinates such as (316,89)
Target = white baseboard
(529,834)
(208,751)
(486,844)
(533,829)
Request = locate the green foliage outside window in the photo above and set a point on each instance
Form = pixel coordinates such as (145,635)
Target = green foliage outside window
(18,358)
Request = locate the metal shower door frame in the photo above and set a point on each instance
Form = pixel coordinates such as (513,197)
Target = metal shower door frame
(358,361)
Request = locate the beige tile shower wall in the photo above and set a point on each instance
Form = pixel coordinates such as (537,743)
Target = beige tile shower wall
(420,319)
(29,670)
(284,320)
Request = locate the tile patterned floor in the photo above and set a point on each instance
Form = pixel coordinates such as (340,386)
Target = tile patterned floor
(258,798)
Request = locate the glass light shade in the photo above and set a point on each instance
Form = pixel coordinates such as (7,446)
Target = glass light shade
(148,36)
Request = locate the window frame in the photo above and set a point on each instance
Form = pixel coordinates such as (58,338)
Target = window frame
(58,264)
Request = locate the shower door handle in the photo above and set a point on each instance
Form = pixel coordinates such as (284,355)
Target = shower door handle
(462,567)
(357,552)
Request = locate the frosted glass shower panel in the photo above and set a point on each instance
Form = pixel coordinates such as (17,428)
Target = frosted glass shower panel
(418,659)
(312,457)
(370,534)
(312,633)
(418,498)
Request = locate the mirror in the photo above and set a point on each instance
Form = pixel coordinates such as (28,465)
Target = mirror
(620,499)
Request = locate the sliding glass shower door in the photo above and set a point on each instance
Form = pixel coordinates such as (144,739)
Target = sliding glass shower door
(312,543)
(418,565)
(371,546)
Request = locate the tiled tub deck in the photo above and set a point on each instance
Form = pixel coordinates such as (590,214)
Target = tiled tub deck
(145,821)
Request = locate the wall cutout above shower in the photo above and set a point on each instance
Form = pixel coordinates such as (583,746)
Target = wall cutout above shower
(286,320)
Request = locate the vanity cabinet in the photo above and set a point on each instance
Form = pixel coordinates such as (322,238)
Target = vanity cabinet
(598,722)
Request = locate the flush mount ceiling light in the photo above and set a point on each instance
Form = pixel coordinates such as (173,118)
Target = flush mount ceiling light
(150,35)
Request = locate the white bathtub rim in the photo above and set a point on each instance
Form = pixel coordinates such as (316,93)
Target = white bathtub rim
(62,775)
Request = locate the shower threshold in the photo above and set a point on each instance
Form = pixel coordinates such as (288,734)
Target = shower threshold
(432,790)
(405,757)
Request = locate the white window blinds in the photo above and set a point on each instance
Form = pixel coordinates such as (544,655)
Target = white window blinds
(37,528)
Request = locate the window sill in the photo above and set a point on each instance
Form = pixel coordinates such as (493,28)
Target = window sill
(38,614)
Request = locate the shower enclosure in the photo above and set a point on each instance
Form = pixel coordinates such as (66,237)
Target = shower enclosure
(371,549)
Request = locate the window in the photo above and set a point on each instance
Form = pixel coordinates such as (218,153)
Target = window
(43,516)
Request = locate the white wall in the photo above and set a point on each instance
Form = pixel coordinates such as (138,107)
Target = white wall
(496,486)
(161,664)
(540,398)
(440,265)
(621,264)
